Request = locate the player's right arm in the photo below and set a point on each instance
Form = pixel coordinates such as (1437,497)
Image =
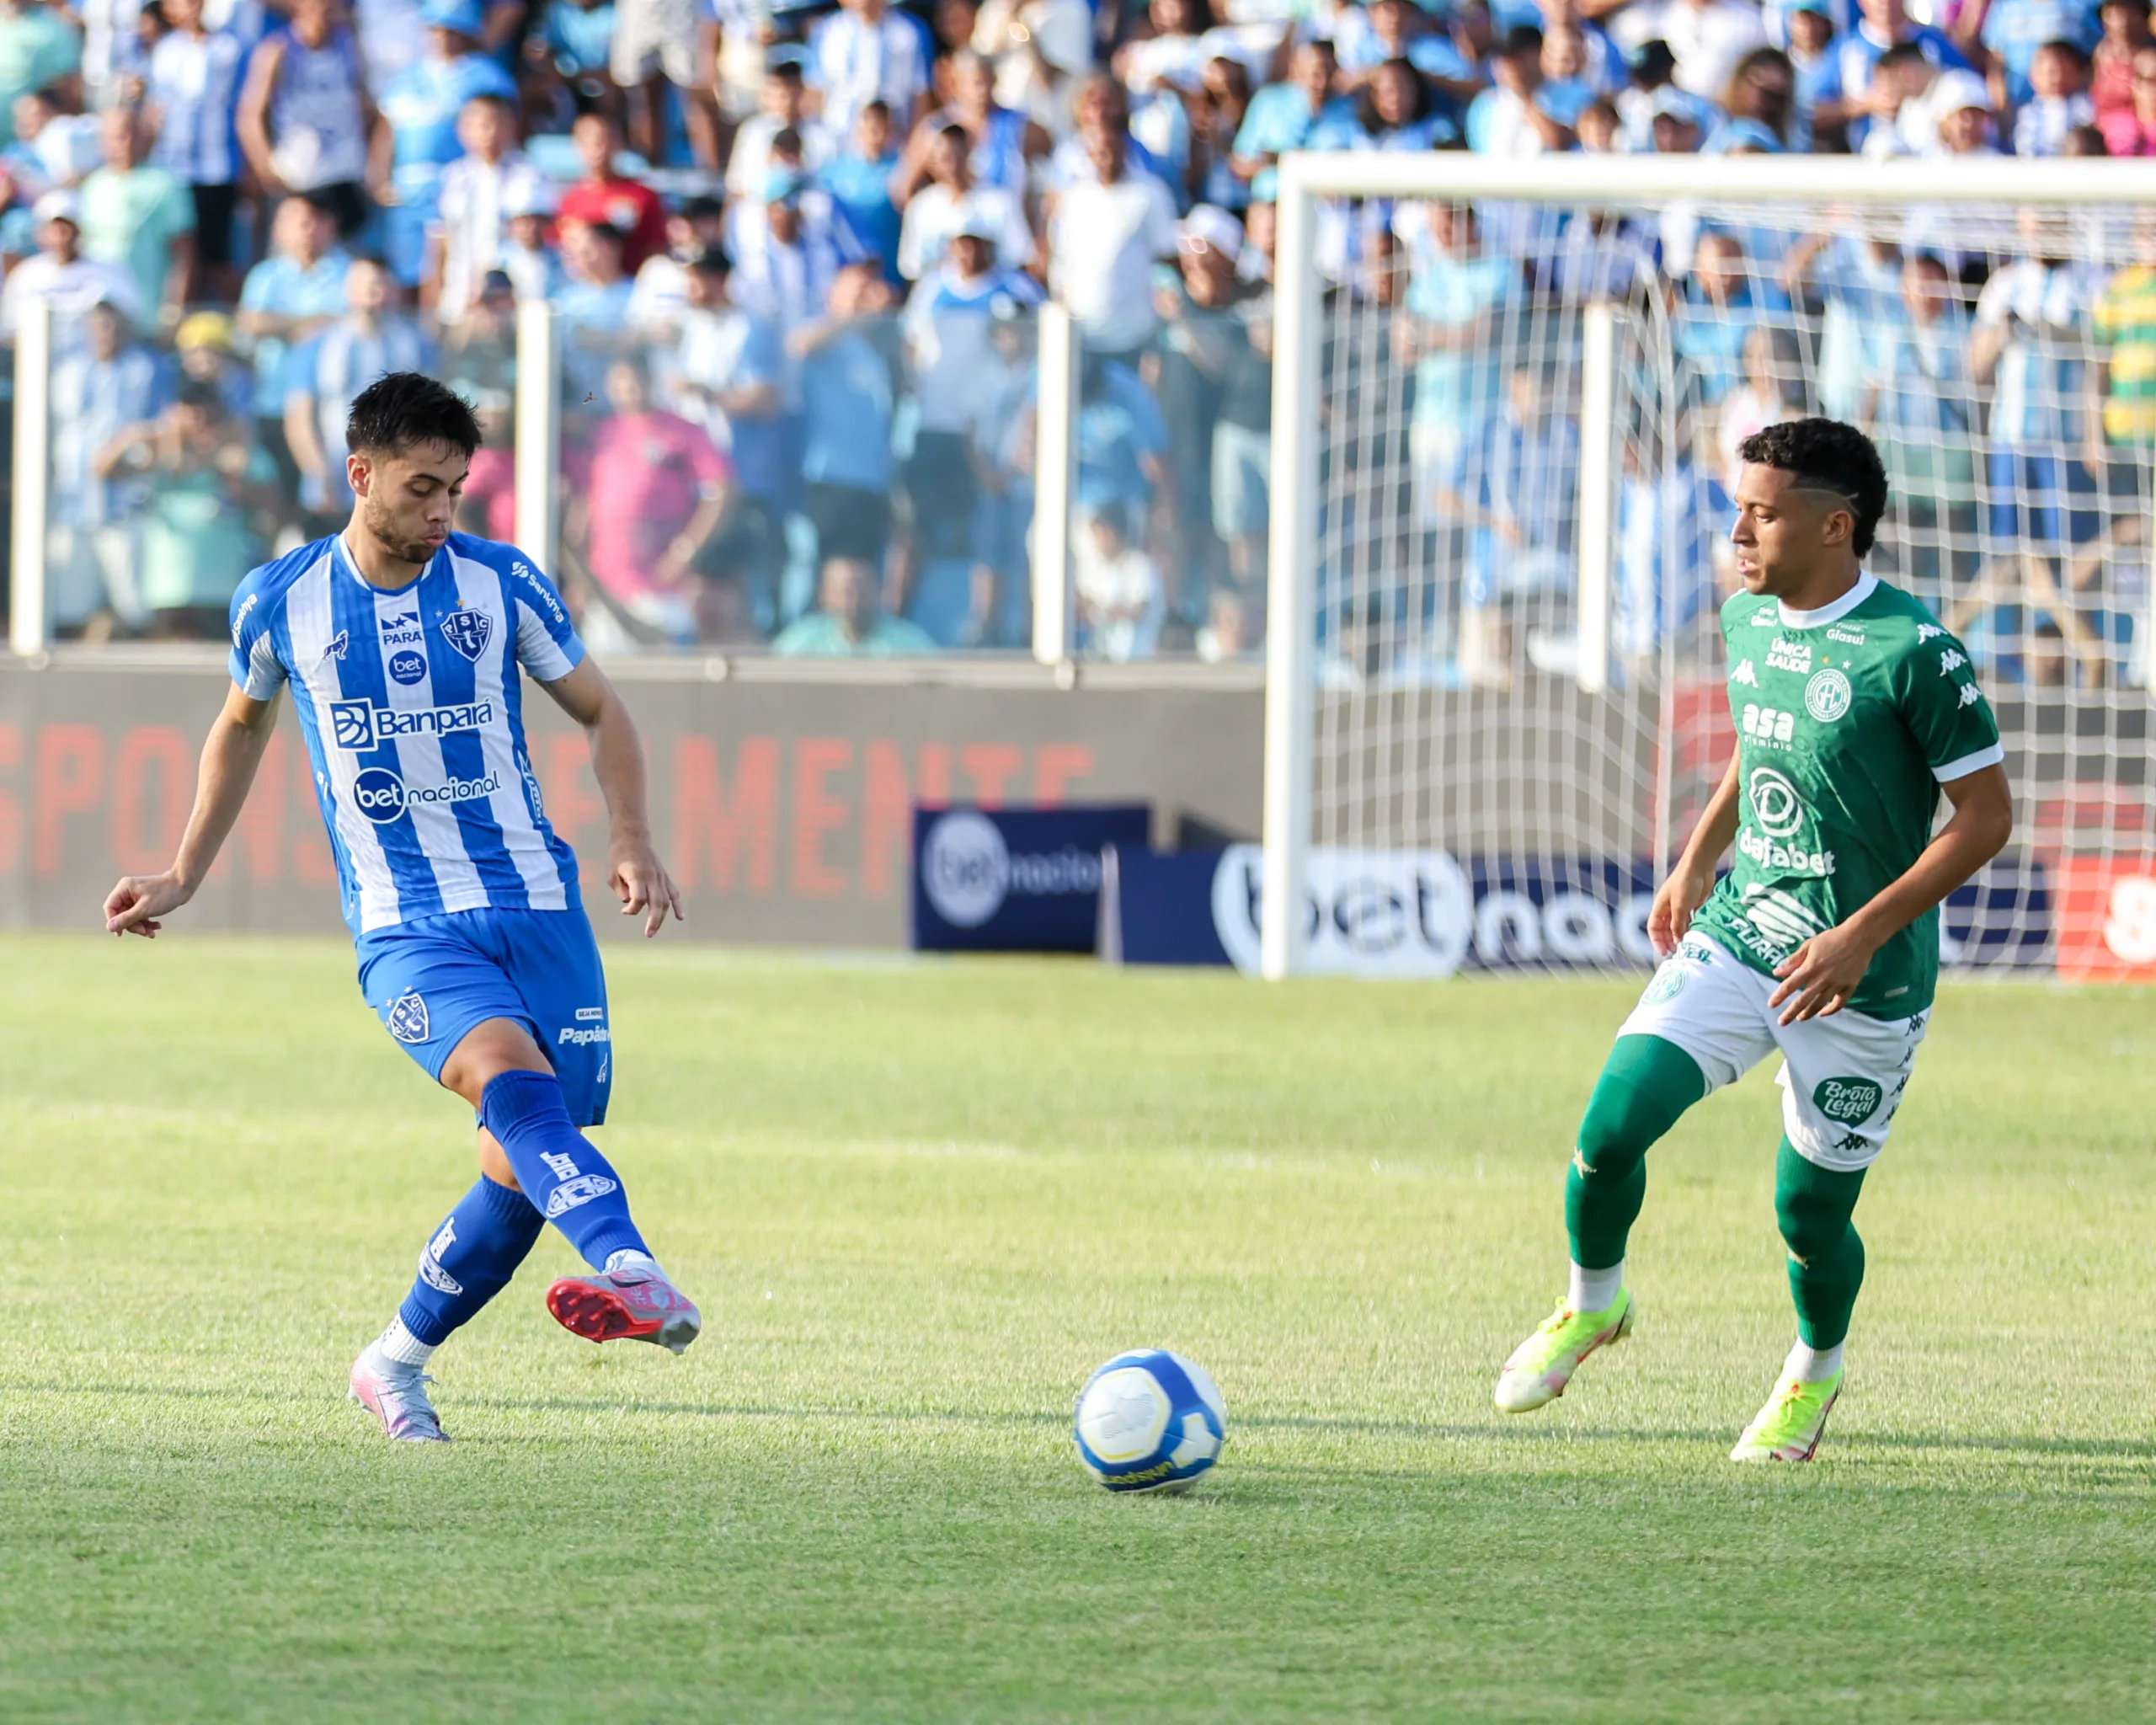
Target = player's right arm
(1694,876)
(237,737)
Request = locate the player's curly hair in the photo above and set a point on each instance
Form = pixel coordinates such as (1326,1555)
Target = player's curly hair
(1825,455)
(394,412)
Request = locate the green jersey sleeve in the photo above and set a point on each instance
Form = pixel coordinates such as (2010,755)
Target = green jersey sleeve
(1935,691)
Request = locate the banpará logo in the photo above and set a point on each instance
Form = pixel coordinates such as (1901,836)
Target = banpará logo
(1775,804)
(1848,1102)
(407,1017)
(382,796)
(567,1196)
(1785,654)
(361,726)
(965,867)
(468,631)
(406,667)
(1827,696)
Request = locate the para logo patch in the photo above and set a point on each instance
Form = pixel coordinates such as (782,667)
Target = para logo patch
(1826,697)
(1848,1102)
(467,632)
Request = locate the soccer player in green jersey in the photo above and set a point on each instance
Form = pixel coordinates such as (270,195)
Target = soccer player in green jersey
(1854,710)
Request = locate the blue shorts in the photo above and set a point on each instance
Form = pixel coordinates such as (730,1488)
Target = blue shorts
(433,980)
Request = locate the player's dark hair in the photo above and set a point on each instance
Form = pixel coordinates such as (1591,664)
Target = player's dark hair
(1825,455)
(406,408)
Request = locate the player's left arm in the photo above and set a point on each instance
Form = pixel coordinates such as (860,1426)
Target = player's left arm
(1819,977)
(639,879)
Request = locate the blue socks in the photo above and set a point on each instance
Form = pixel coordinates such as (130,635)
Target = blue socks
(561,1171)
(470,1259)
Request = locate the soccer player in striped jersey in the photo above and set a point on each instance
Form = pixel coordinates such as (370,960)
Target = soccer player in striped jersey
(403,644)
(1856,714)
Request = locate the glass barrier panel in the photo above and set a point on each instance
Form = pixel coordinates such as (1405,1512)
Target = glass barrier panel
(843,486)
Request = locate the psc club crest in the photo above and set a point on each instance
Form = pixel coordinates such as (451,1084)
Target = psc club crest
(467,632)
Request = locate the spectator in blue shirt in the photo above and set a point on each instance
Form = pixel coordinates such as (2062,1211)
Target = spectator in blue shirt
(1884,24)
(1816,62)
(849,362)
(864,221)
(2015,30)
(292,294)
(416,135)
(106,385)
(194,89)
(1450,327)
(1721,301)
(325,375)
(1303,114)
(592,308)
(1526,499)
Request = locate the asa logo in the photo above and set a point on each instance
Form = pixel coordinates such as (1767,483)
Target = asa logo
(1827,696)
(1848,1102)
(1767,724)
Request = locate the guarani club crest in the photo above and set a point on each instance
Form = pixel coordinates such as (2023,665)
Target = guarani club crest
(467,632)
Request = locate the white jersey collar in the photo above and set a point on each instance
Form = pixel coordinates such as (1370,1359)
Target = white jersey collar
(1867,584)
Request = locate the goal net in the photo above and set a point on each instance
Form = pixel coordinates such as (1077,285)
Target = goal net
(1508,400)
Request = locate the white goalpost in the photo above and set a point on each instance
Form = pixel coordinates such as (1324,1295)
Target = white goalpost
(1505,397)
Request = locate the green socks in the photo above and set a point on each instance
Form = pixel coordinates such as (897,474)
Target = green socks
(1826,1258)
(1646,1084)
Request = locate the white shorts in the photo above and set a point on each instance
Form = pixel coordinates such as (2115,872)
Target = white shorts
(654,36)
(1842,1076)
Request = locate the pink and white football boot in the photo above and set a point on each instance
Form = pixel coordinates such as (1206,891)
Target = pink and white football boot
(631,1300)
(396,1394)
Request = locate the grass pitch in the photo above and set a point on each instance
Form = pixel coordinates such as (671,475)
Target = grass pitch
(917,1204)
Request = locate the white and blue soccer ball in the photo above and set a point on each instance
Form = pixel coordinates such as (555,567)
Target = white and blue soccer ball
(1150,1421)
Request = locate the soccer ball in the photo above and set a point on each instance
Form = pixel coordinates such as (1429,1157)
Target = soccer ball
(1150,1421)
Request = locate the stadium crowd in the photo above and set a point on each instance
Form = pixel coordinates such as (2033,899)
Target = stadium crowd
(794,251)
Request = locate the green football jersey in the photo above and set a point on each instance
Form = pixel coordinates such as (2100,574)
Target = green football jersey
(1848,719)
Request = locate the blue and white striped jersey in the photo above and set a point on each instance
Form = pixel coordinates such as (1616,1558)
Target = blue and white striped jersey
(410,702)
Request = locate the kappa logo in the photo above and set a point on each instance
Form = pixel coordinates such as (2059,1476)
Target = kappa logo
(1928,632)
(468,632)
(408,1018)
(1950,661)
(1785,654)
(571,1193)
(1827,696)
(1745,674)
(1971,695)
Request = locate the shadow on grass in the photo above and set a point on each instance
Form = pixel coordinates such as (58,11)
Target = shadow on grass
(2129,1448)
